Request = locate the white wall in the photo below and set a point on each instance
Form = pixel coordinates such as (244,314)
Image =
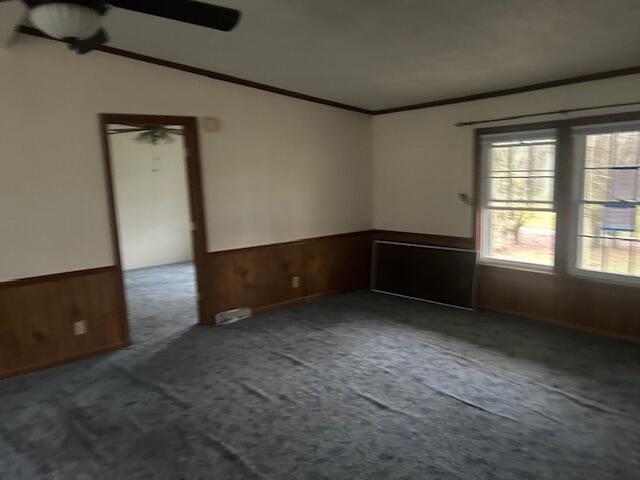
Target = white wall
(279,169)
(421,161)
(152,201)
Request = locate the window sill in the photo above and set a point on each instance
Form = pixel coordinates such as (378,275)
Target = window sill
(607,278)
(577,274)
(524,267)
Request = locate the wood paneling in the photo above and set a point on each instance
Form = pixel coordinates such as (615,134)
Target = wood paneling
(37,316)
(260,277)
(589,305)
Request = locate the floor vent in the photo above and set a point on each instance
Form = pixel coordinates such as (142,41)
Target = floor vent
(232,316)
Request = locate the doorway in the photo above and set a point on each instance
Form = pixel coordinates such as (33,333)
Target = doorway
(157,219)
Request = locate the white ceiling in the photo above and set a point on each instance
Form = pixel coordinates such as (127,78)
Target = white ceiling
(11,13)
(378,54)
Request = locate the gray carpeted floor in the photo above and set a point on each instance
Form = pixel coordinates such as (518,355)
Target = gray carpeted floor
(356,386)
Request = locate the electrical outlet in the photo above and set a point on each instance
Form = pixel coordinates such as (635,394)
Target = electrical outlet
(295,281)
(80,327)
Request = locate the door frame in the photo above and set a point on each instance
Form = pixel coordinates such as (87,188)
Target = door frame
(196,202)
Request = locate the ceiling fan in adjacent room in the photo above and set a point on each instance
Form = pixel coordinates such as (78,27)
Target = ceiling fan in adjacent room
(78,22)
(152,134)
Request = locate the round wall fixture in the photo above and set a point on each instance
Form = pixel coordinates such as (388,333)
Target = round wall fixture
(210,124)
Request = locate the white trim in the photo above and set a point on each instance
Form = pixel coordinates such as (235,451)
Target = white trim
(605,277)
(520,209)
(485,208)
(541,134)
(601,128)
(389,242)
(577,203)
(516,265)
(423,300)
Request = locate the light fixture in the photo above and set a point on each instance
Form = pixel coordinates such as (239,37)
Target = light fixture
(210,124)
(68,20)
(154,136)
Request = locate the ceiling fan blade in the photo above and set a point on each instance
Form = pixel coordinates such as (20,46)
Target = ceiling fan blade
(187,11)
(88,44)
(125,130)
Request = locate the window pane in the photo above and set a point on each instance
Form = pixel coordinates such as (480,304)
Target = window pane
(612,149)
(597,184)
(626,144)
(598,150)
(521,188)
(499,159)
(611,184)
(543,157)
(521,236)
(610,255)
(608,237)
(607,250)
(522,158)
(521,171)
(518,198)
(591,223)
(591,253)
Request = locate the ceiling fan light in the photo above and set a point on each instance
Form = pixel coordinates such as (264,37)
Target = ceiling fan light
(64,20)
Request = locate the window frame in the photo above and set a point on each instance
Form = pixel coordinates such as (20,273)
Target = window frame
(482,232)
(578,170)
(565,191)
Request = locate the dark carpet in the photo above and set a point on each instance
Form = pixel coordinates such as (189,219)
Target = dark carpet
(355,386)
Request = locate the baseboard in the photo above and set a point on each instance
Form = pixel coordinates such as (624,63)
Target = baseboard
(295,301)
(566,325)
(62,361)
(567,301)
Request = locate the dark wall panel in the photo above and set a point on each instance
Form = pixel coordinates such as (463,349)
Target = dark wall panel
(431,273)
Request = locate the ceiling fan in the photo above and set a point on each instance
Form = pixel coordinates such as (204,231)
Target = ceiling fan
(78,22)
(153,134)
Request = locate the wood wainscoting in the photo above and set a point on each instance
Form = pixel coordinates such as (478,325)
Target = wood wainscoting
(261,277)
(37,318)
(574,302)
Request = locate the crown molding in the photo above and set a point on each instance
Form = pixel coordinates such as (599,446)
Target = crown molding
(309,98)
(515,90)
(206,73)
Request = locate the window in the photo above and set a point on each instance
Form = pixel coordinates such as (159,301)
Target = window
(518,208)
(606,198)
